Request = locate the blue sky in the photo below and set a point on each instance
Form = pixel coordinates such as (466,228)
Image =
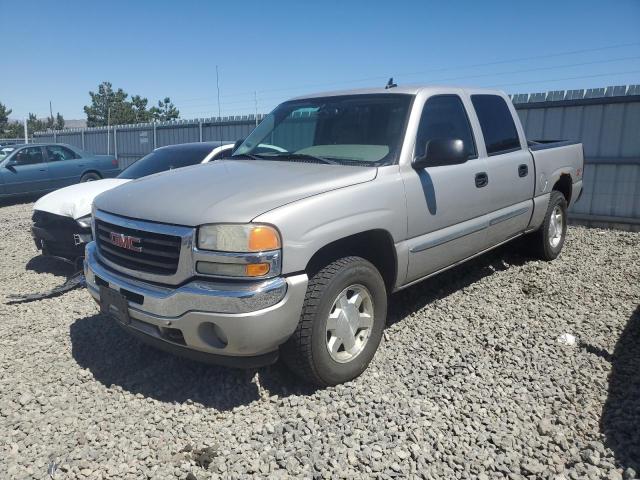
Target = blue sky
(59,51)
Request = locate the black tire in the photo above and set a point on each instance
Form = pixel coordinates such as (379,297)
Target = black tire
(306,352)
(90,177)
(541,240)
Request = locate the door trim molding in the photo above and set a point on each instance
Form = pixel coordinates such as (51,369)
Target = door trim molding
(434,242)
(508,216)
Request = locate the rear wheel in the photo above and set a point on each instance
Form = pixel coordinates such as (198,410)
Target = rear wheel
(342,320)
(89,177)
(549,239)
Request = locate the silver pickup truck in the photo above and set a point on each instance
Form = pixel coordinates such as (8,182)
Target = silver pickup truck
(292,245)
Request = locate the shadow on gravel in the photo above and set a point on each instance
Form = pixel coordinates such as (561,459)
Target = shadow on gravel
(53,265)
(116,358)
(20,199)
(440,286)
(620,421)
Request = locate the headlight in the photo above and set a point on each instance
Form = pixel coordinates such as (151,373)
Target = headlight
(84,222)
(238,238)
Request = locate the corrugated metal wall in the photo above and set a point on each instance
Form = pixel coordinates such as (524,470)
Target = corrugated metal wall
(605,120)
(131,142)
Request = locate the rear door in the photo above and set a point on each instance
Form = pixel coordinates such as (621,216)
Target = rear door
(510,167)
(26,172)
(445,204)
(65,165)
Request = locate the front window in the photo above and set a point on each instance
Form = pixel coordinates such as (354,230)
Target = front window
(351,130)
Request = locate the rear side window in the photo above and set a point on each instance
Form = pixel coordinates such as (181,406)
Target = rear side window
(444,117)
(58,153)
(498,129)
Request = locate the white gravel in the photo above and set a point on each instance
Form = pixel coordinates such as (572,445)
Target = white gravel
(470,382)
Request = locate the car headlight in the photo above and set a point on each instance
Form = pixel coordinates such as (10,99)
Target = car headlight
(251,250)
(84,222)
(238,238)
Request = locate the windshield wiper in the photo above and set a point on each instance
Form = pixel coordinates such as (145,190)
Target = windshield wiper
(249,155)
(301,156)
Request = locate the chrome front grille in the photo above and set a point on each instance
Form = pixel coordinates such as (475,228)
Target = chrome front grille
(150,252)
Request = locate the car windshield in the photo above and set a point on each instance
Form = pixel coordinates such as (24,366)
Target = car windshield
(5,152)
(166,159)
(350,130)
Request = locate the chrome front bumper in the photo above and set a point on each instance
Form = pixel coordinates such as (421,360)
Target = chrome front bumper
(240,319)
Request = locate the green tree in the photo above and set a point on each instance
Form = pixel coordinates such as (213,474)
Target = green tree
(108,107)
(4,117)
(139,109)
(113,107)
(165,110)
(34,124)
(59,123)
(14,129)
(55,123)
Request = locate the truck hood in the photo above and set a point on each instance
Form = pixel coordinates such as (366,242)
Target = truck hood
(75,200)
(226,190)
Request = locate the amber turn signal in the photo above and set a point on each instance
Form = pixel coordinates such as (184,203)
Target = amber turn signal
(263,238)
(257,269)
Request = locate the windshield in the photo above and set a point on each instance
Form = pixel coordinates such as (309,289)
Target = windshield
(349,130)
(165,159)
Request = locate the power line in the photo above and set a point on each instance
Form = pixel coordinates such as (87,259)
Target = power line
(442,69)
(567,78)
(548,80)
(465,77)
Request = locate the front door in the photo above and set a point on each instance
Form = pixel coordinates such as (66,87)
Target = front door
(445,203)
(26,172)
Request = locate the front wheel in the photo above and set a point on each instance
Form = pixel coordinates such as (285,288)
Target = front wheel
(342,320)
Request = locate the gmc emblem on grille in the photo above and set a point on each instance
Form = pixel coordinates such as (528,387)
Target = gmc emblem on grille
(125,241)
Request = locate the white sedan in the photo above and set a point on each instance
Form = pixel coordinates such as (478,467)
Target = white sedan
(62,219)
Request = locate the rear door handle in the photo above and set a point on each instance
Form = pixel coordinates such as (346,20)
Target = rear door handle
(523,170)
(482,179)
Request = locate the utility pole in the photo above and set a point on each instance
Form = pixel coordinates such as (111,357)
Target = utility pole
(218,87)
(255,100)
(26,132)
(108,128)
(51,112)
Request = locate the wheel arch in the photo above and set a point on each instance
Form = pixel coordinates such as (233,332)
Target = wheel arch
(564,185)
(375,246)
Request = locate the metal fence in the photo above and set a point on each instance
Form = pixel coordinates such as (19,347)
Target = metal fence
(131,142)
(606,120)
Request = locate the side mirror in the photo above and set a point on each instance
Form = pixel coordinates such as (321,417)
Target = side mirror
(442,151)
(237,144)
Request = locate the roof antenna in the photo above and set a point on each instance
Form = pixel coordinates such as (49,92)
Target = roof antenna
(390,84)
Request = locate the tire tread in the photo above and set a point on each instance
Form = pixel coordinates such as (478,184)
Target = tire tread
(297,351)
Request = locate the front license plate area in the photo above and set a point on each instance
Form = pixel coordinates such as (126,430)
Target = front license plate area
(115,304)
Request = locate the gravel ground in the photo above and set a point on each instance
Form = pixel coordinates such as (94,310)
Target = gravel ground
(470,381)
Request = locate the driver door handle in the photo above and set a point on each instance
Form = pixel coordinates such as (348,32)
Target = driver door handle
(523,170)
(482,179)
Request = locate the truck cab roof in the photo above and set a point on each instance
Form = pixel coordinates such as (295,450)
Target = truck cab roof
(406,90)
